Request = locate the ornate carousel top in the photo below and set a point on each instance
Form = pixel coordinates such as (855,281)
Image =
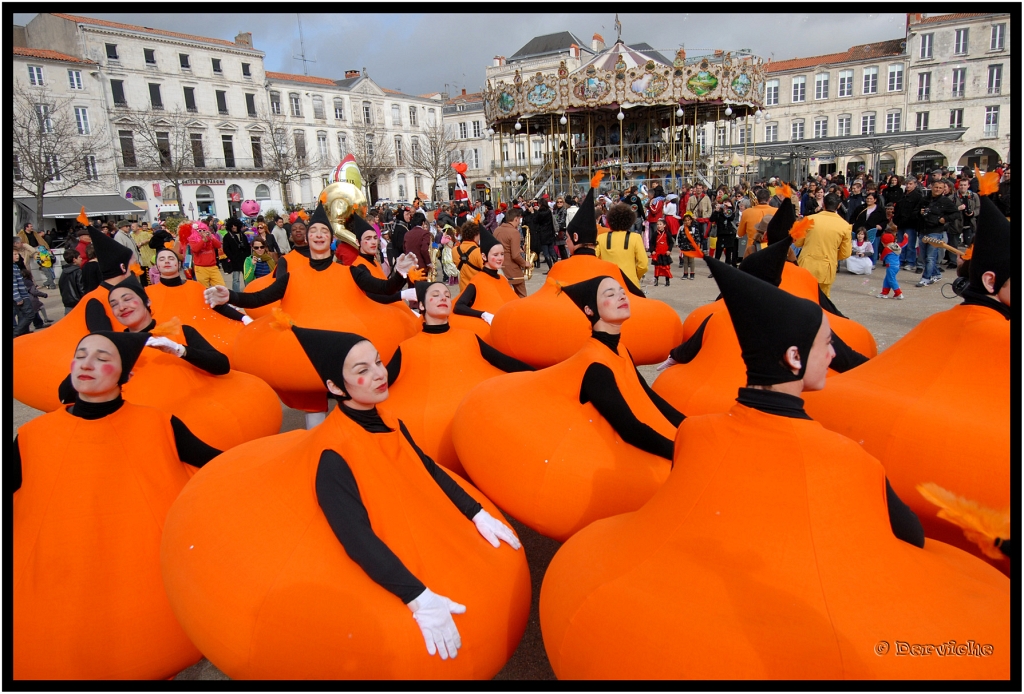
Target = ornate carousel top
(622,77)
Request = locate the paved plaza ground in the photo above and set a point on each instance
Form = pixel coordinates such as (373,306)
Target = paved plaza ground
(854,295)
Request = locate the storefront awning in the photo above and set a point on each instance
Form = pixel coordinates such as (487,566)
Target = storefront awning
(69,206)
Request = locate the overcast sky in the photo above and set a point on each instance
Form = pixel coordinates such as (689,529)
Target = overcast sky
(421,53)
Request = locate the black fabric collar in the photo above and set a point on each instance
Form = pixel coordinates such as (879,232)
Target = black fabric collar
(147,329)
(436,329)
(773,402)
(607,339)
(321,264)
(489,271)
(368,419)
(95,410)
(172,282)
(973,298)
(371,259)
(302,250)
(584,251)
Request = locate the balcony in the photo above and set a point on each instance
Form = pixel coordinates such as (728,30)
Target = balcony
(203,168)
(994,90)
(924,96)
(958,93)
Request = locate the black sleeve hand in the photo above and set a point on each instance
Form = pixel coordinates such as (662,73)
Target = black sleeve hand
(66,392)
(846,357)
(191,449)
(674,416)
(365,280)
(904,522)
(228,312)
(202,355)
(630,287)
(500,360)
(96,317)
(464,304)
(267,295)
(458,496)
(599,388)
(686,351)
(395,366)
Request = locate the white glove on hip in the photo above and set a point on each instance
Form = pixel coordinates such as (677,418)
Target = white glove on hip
(494,530)
(404,263)
(166,345)
(433,613)
(667,363)
(246,319)
(408,295)
(216,295)
(488,317)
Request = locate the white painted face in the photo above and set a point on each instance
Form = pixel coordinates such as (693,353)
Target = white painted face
(366,378)
(129,309)
(438,302)
(96,369)
(612,302)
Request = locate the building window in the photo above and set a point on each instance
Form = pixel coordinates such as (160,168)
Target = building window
(75,79)
(246,72)
(275,103)
(521,152)
(300,146)
(924,86)
(960,42)
(922,120)
(401,186)
(843,126)
(799,89)
(296,105)
(895,78)
(222,102)
(250,105)
(414,149)
(871,80)
(321,145)
(417,181)
(154,97)
(35,75)
(720,136)
(991,121)
(701,141)
(111,51)
(117,92)
(216,65)
(18,176)
(318,108)
(959,80)
(53,167)
(45,122)
(185,64)
(398,151)
(538,150)
(163,146)
(821,86)
(504,152)
(229,151)
(867,124)
(797,130)
(771,132)
(369,145)
(431,119)
(127,148)
(342,145)
(771,93)
(460,106)
(892,122)
(91,172)
(367,113)
(190,99)
(821,127)
(476,128)
(845,83)
(198,153)
(262,192)
(996,41)
(396,115)
(926,46)
(956,118)
(995,78)
(413,121)
(150,56)
(463,132)
(257,159)
(204,200)
(474,159)
(339,109)
(82,120)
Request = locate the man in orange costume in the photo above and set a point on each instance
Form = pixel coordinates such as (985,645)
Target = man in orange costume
(750,218)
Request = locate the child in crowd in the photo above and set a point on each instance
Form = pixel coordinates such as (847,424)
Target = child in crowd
(687,242)
(662,253)
(890,257)
(72,283)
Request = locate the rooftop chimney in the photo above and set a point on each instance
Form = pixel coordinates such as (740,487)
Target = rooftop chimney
(244,38)
(719,52)
(597,43)
(499,60)
(574,51)
(349,74)
(914,18)
(463,92)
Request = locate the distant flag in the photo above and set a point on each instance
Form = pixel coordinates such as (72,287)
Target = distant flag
(618,27)
(82,217)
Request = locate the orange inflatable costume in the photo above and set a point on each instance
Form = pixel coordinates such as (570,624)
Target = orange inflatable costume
(262,584)
(546,328)
(88,598)
(185,301)
(491,293)
(561,464)
(905,396)
(768,554)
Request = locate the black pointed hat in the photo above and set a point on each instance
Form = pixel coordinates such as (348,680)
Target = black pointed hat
(357,225)
(327,350)
(781,222)
(583,223)
(584,294)
(112,257)
(487,241)
(993,247)
(129,346)
(421,290)
(132,283)
(768,321)
(767,264)
(319,216)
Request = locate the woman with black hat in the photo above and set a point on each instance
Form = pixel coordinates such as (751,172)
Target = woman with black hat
(486,292)
(236,248)
(368,273)
(89,507)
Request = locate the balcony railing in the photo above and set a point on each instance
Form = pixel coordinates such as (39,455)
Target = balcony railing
(206,165)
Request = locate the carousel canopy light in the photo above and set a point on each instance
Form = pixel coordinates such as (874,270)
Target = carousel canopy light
(679,112)
(728,110)
(563,120)
(621,115)
(519,126)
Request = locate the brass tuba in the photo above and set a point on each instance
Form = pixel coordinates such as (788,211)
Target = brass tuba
(342,200)
(432,274)
(530,256)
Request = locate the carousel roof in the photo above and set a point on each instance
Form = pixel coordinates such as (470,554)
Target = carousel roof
(608,59)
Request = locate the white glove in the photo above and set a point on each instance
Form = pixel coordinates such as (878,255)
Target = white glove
(246,319)
(216,295)
(409,295)
(488,317)
(433,613)
(667,363)
(166,345)
(404,263)
(494,530)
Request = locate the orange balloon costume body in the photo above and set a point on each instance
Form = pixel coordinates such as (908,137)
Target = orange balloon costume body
(903,392)
(187,303)
(264,588)
(327,300)
(546,328)
(491,294)
(437,372)
(267,280)
(561,465)
(768,554)
(89,601)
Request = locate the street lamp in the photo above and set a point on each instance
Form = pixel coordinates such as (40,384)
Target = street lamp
(191,210)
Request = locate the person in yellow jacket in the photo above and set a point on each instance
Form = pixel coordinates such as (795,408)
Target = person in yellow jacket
(826,243)
(622,246)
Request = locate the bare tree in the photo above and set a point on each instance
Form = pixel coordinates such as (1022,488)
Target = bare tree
(374,154)
(53,150)
(433,156)
(285,159)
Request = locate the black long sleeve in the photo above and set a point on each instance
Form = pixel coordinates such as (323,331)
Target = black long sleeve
(228,312)
(630,287)
(687,350)
(599,387)
(904,522)
(365,280)
(267,295)
(202,355)
(191,449)
(458,496)
(464,304)
(66,392)
(394,366)
(338,495)
(674,416)
(827,305)
(500,360)
(846,357)
(16,466)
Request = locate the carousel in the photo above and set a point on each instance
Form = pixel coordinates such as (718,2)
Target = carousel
(625,111)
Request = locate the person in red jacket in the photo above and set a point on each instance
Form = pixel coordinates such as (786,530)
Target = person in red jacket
(205,247)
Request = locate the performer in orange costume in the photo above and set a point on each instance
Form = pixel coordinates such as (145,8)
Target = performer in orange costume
(595,440)
(486,292)
(312,554)
(545,328)
(89,507)
(775,550)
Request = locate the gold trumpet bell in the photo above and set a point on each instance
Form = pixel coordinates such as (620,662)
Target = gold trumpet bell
(341,200)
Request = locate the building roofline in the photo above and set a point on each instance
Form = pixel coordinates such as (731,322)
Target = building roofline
(106,24)
(46,54)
